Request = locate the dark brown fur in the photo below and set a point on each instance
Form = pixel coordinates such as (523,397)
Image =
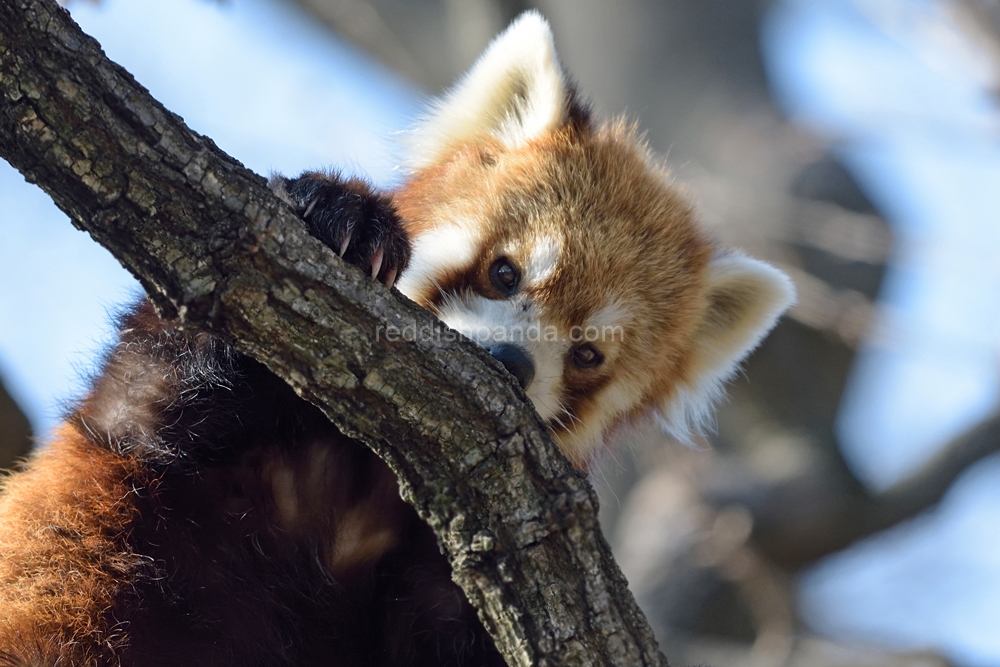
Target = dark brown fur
(194,511)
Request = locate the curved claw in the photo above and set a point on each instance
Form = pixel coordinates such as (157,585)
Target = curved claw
(390,277)
(344,243)
(377,261)
(309,209)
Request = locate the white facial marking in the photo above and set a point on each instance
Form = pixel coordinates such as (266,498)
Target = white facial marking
(448,247)
(614,401)
(613,314)
(543,260)
(515,320)
(606,324)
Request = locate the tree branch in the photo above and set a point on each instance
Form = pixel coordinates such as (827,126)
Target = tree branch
(799,521)
(212,246)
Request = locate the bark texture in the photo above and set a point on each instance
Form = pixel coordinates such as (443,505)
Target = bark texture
(213,247)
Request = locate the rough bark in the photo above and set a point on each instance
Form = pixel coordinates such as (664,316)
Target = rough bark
(213,247)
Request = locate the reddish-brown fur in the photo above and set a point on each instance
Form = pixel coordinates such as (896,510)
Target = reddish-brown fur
(626,237)
(64,555)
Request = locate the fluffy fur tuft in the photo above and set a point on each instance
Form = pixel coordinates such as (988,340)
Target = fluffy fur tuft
(515,92)
(745,299)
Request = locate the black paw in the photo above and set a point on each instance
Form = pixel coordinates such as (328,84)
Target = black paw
(352,218)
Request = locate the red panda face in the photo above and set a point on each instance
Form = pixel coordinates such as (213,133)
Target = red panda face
(574,251)
(564,250)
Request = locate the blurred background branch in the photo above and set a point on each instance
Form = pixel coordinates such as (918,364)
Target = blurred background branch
(15,430)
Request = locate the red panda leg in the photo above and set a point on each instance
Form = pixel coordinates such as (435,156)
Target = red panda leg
(65,566)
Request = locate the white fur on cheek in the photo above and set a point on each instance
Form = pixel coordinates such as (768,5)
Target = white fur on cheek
(490,321)
(612,404)
(435,253)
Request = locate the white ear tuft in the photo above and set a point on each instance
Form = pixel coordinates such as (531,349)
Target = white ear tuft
(515,91)
(745,299)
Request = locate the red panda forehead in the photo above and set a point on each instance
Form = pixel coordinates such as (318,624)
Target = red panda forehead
(599,225)
(587,218)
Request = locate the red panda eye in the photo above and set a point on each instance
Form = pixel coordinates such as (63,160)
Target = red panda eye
(587,356)
(504,276)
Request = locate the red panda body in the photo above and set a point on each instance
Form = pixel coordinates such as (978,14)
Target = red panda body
(193,510)
(227,522)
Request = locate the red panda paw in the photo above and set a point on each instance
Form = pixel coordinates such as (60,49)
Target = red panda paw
(356,221)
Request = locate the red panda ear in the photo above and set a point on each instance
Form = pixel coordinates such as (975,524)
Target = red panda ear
(515,91)
(745,297)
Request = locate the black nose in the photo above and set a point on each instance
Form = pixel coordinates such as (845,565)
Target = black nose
(516,361)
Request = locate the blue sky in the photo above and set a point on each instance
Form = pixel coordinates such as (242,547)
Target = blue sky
(906,105)
(270,88)
(901,97)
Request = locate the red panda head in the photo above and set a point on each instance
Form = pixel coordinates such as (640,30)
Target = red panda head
(562,247)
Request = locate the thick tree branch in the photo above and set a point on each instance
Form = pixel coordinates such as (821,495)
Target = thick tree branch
(212,246)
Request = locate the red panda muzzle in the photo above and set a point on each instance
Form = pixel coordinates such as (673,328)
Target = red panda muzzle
(516,361)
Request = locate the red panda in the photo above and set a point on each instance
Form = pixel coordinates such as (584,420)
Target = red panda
(193,510)
(534,227)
